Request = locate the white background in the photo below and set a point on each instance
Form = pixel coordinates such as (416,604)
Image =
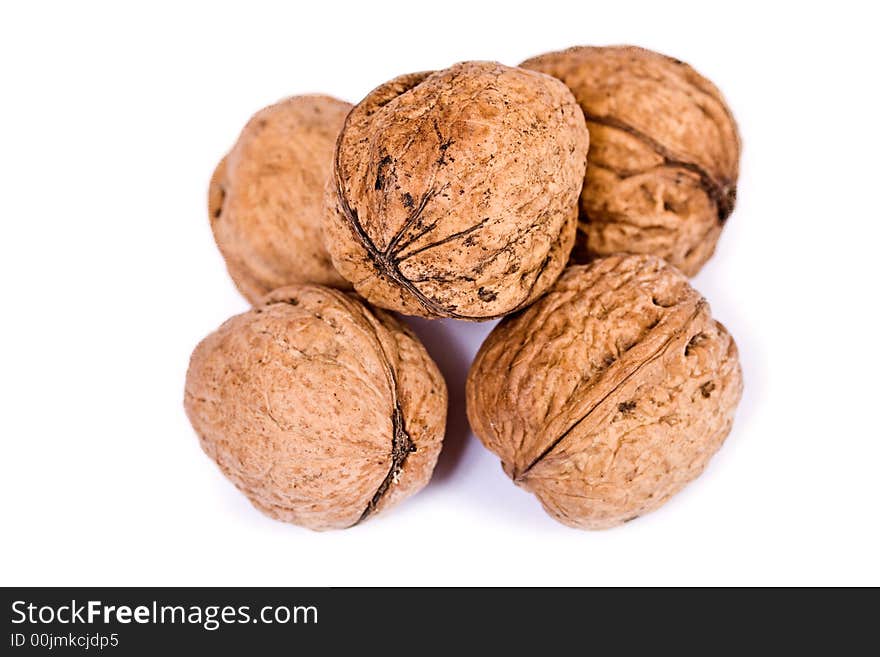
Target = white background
(111,121)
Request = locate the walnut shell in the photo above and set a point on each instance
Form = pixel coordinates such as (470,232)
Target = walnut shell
(318,409)
(265,200)
(455,192)
(664,154)
(609,394)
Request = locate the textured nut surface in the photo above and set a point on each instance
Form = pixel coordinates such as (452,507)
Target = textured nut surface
(455,192)
(664,154)
(609,394)
(265,200)
(319,410)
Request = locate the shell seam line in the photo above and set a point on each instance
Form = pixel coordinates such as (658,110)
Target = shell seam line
(382,264)
(392,271)
(659,352)
(723,194)
(387,263)
(402,444)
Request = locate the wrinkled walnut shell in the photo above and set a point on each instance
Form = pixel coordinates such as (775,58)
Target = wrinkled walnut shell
(609,394)
(321,411)
(455,192)
(664,154)
(265,199)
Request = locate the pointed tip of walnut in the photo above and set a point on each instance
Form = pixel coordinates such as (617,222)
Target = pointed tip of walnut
(609,394)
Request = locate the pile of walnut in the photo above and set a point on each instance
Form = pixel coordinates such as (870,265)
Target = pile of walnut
(571,196)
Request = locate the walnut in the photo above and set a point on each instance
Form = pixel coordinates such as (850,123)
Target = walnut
(455,192)
(321,411)
(265,199)
(664,154)
(609,394)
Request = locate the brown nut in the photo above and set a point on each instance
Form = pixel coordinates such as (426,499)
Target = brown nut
(318,409)
(609,394)
(664,154)
(455,192)
(265,199)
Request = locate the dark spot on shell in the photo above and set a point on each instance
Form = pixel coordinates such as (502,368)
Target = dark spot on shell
(694,342)
(626,407)
(222,200)
(380,174)
(726,202)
